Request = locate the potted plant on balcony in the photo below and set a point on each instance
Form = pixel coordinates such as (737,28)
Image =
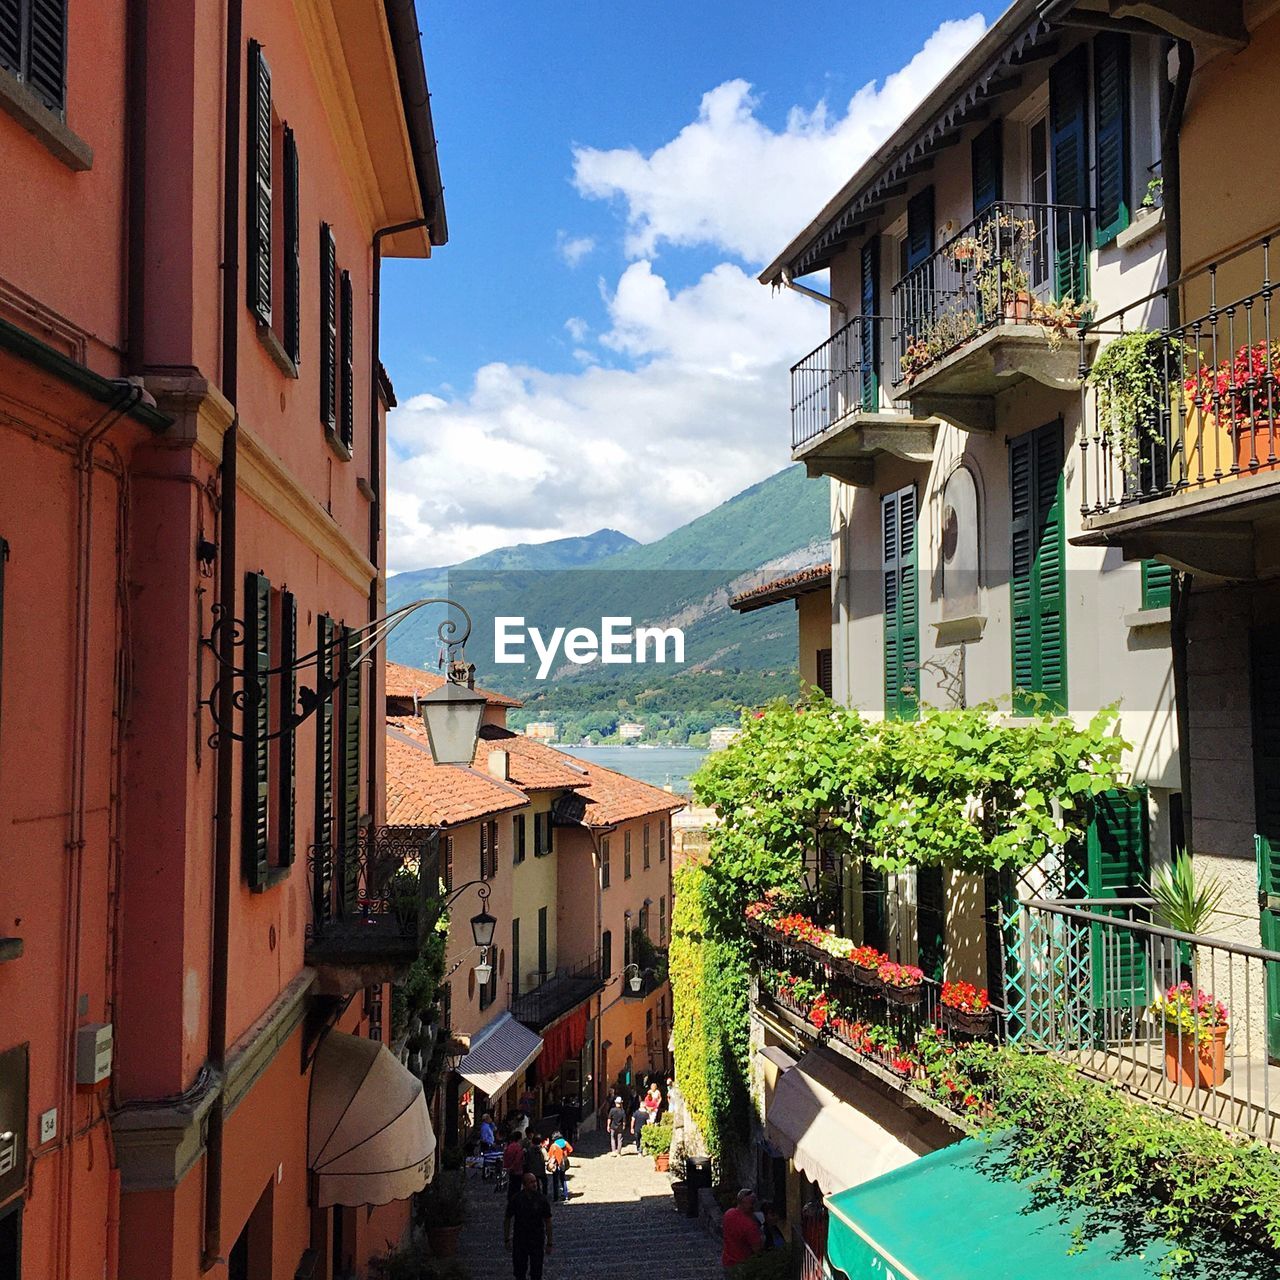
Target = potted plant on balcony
(442,1209)
(1195,1036)
(655,1141)
(1128,378)
(1240,396)
(903,983)
(866,962)
(966,1008)
(1185,902)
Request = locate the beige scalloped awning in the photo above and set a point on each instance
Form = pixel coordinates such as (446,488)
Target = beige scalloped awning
(369,1137)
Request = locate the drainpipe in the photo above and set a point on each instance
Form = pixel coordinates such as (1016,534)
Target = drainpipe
(137,179)
(225,784)
(834,303)
(377,713)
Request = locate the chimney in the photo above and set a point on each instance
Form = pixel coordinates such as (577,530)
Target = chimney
(500,765)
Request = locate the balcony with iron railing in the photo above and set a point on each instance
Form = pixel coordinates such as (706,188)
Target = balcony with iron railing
(1181,447)
(371,906)
(840,420)
(556,993)
(998,303)
(1084,981)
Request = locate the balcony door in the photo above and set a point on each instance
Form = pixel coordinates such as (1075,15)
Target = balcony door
(1038,198)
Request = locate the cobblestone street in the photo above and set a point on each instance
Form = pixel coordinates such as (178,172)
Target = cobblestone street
(620,1224)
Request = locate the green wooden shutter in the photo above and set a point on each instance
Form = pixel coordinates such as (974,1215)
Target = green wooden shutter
(258,186)
(45,71)
(1069,161)
(328,328)
(322,882)
(869,355)
(919,227)
(931,920)
(287,795)
(901,604)
(1112,200)
(1118,857)
(256,731)
(1268,854)
(987,156)
(347,406)
(1265,696)
(292,251)
(1037,576)
(1157,585)
(352,703)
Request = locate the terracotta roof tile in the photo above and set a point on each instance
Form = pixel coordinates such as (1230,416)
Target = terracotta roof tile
(800,583)
(422,793)
(404,682)
(610,797)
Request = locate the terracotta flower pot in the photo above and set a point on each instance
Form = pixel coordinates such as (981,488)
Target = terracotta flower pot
(967,1021)
(1017,307)
(444,1240)
(1195,1064)
(906,997)
(1259,441)
(662,1162)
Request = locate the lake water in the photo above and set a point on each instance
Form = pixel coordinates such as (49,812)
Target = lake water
(658,765)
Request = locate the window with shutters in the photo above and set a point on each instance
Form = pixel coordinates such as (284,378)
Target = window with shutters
(606,954)
(258,175)
(824,671)
(489,992)
(1265,698)
(484,851)
(4,559)
(255,848)
(1157,585)
(626,855)
(326,771)
(33,48)
(447,871)
(987,160)
(346,372)
(542,837)
(1111,122)
(662,919)
(517,838)
(1069,165)
(604,862)
(493,848)
(328,331)
(352,720)
(515,956)
(901,604)
(543,965)
(1118,865)
(287,743)
(1038,191)
(875,910)
(931,920)
(645,846)
(664,827)
(869,354)
(914,296)
(291,251)
(1037,573)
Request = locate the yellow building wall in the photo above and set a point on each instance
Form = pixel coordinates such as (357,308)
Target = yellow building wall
(533,886)
(814,620)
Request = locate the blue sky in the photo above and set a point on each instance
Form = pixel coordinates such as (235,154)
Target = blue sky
(590,345)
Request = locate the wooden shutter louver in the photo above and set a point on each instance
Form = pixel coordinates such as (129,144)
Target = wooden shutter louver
(987,155)
(1069,161)
(1111,123)
(46,69)
(1037,578)
(328,328)
(347,420)
(256,731)
(11,36)
(1117,847)
(1157,585)
(901,604)
(292,251)
(258,186)
(869,355)
(322,885)
(824,671)
(286,806)
(352,687)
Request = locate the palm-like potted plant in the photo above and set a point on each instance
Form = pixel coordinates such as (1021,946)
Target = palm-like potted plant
(1185,902)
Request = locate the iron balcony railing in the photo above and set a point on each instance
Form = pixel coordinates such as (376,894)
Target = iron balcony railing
(1002,268)
(1091,972)
(811,1267)
(370,901)
(557,993)
(1193,404)
(840,377)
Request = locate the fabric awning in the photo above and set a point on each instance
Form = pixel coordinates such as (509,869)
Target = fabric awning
(955,1214)
(561,1041)
(503,1050)
(369,1138)
(835,1131)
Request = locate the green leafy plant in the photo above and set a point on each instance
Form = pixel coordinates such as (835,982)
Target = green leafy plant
(1127,377)
(1154,196)
(443,1203)
(655,1139)
(1184,901)
(414,1261)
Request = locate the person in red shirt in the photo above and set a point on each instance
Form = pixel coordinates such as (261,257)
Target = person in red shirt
(513,1163)
(743,1238)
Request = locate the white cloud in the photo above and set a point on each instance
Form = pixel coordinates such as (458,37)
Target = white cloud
(527,455)
(574,248)
(577,328)
(729,181)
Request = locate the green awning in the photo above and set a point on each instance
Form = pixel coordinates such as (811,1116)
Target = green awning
(954,1215)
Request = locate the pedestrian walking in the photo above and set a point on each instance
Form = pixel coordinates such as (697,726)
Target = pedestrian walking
(652,1102)
(526,1230)
(743,1238)
(617,1125)
(513,1164)
(534,1161)
(488,1134)
(558,1153)
(639,1118)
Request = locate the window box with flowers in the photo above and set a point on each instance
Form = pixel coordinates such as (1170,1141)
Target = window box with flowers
(903,983)
(966,1009)
(865,964)
(1195,1036)
(1239,395)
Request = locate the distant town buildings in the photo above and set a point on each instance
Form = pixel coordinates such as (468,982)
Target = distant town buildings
(543,730)
(630,731)
(721,736)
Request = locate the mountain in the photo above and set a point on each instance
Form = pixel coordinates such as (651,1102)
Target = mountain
(681,580)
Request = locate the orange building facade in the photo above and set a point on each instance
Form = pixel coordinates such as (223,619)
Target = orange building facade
(192,433)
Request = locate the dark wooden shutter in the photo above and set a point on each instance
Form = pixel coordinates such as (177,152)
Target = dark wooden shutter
(347,405)
(292,251)
(646,846)
(1037,577)
(1119,866)
(11,35)
(286,804)
(931,920)
(46,61)
(1265,697)
(258,186)
(604,862)
(915,312)
(606,954)
(919,227)
(987,155)
(1069,160)
(448,864)
(869,381)
(875,911)
(542,941)
(323,873)
(515,956)
(824,671)
(1157,585)
(352,705)
(4,559)
(256,731)
(901,604)
(1111,124)
(328,328)
(663,827)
